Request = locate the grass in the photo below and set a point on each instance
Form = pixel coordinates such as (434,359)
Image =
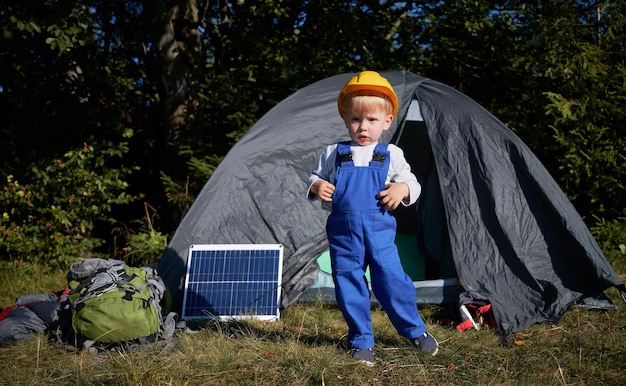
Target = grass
(307,346)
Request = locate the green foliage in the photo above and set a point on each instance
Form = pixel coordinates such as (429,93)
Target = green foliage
(72,31)
(611,237)
(182,194)
(145,247)
(189,79)
(49,218)
(588,128)
(25,25)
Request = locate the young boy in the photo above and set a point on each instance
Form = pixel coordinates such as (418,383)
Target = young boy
(360,181)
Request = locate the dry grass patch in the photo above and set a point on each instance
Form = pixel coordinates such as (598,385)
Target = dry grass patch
(307,346)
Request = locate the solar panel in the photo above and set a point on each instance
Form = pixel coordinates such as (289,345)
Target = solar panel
(233,281)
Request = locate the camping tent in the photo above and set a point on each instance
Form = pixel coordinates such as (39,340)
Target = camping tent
(490,218)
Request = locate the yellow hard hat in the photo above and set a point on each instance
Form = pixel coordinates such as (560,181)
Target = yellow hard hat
(368,83)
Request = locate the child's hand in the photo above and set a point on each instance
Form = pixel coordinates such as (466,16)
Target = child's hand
(323,189)
(393,195)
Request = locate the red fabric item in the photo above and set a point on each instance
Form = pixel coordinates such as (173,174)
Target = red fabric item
(482,316)
(6,311)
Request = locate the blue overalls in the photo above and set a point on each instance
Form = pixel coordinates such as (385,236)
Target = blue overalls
(361,233)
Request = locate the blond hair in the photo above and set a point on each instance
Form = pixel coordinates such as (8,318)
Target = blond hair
(360,103)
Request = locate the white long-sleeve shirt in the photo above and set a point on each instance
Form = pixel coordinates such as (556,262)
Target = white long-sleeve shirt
(399,169)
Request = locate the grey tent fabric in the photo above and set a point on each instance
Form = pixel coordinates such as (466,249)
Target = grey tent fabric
(509,229)
(514,235)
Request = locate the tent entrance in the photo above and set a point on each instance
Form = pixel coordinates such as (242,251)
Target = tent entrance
(434,291)
(412,262)
(427,220)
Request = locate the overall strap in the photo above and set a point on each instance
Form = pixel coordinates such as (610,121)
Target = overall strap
(344,154)
(381,153)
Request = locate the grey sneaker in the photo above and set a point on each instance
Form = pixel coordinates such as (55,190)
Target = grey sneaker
(364,355)
(427,343)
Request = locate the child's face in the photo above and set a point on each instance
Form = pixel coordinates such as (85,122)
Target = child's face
(365,127)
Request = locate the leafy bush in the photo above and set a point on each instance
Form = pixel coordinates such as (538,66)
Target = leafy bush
(142,245)
(146,246)
(49,219)
(588,129)
(611,236)
(198,170)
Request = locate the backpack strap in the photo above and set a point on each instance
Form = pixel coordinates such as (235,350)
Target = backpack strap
(157,292)
(101,282)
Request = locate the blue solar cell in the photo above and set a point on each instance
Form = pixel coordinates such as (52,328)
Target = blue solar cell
(233,281)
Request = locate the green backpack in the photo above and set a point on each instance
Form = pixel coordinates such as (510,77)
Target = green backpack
(117,303)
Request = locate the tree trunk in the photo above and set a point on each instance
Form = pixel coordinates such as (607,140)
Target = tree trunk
(177,38)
